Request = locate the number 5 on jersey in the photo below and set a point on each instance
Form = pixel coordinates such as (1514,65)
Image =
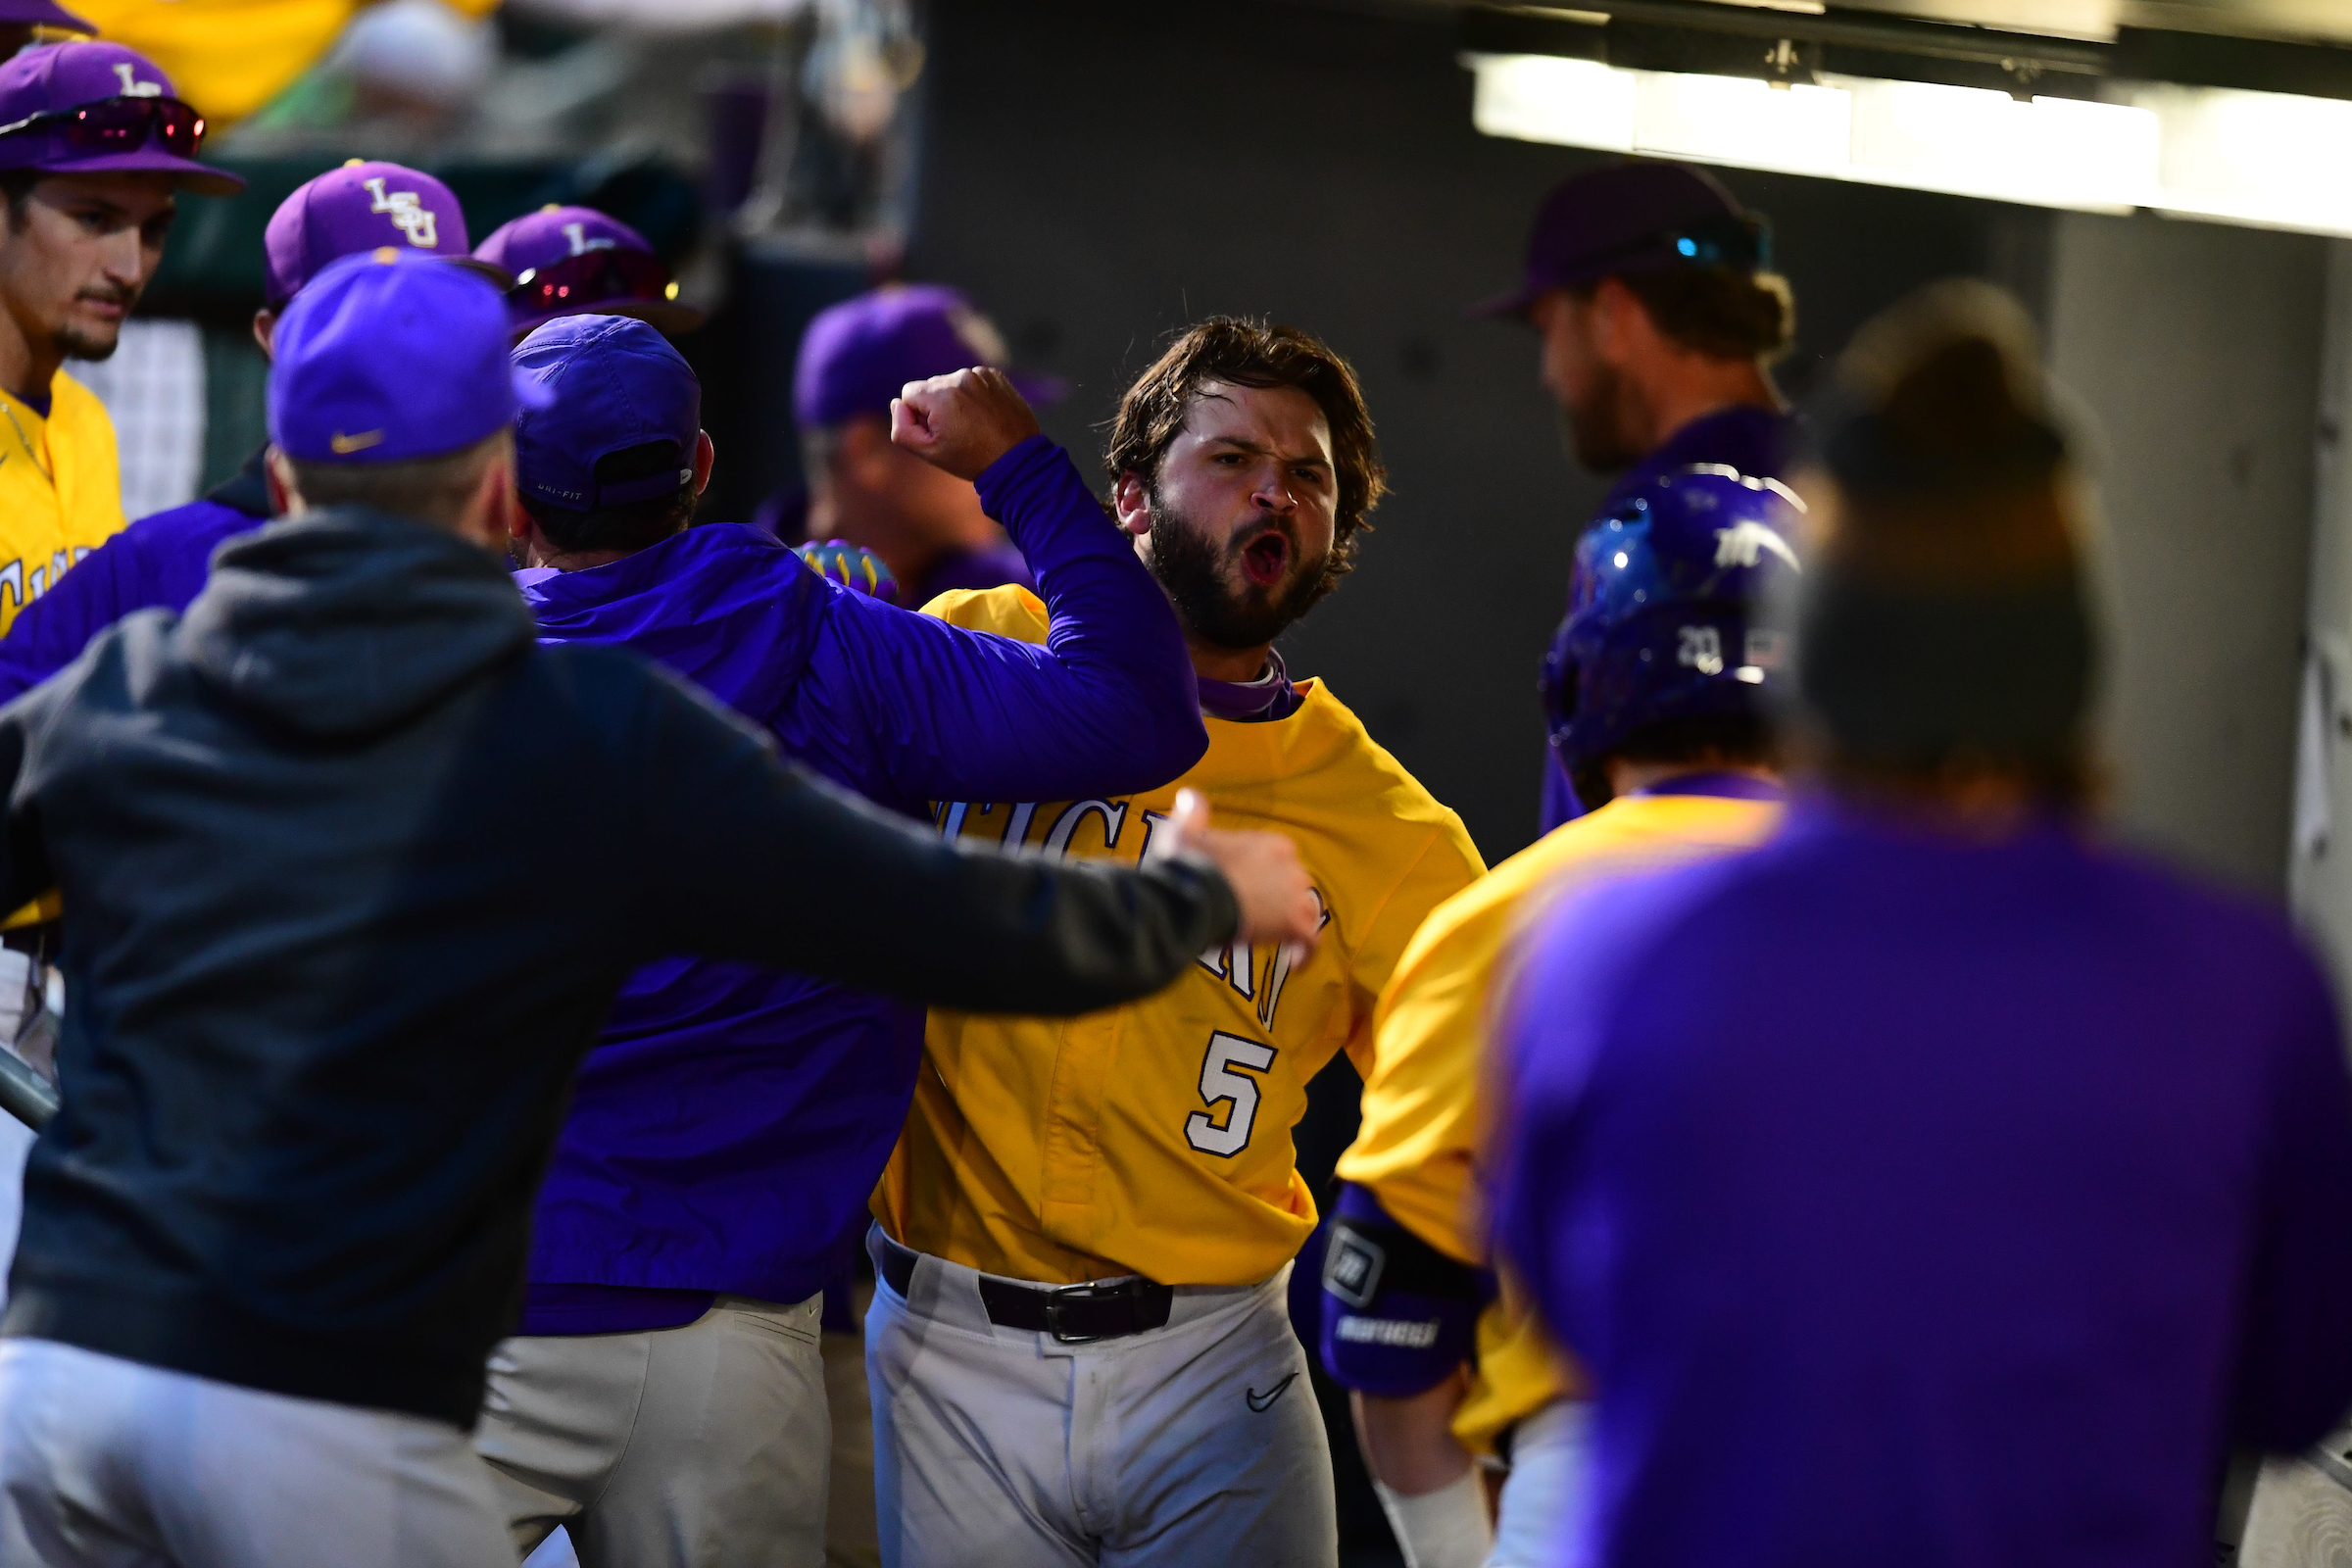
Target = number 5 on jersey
(1220,1085)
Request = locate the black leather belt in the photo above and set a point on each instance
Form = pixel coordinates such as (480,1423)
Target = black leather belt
(1072,1313)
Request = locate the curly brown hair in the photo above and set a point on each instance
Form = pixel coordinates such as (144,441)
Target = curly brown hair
(1242,350)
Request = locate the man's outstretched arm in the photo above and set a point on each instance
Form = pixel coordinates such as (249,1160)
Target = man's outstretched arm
(745,856)
(1106,707)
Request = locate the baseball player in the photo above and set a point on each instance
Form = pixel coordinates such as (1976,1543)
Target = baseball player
(337,966)
(1664,736)
(863,490)
(93,147)
(1079,1351)
(1652,294)
(1933,1184)
(162,559)
(575,260)
(665,1398)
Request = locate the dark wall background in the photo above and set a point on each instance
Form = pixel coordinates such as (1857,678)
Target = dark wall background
(1097,174)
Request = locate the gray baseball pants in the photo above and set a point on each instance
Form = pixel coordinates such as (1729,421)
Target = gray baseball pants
(701,1446)
(109,1463)
(1197,1443)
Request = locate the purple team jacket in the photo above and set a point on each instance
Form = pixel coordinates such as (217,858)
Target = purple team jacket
(161,560)
(726,1132)
(1920,1201)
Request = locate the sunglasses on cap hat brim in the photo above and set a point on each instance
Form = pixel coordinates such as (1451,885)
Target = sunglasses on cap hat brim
(608,282)
(109,134)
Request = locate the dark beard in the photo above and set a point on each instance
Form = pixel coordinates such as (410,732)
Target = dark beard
(1597,429)
(1190,568)
(75,343)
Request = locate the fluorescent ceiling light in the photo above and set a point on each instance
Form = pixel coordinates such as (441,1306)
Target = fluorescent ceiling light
(2254,158)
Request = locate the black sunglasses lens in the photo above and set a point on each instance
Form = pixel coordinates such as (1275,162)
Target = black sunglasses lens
(117,123)
(593,278)
(179,127)
(120,123)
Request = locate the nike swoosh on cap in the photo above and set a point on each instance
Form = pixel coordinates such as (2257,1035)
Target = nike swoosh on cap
(345,445)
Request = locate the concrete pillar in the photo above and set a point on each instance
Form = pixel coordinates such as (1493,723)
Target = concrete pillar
(2196,350)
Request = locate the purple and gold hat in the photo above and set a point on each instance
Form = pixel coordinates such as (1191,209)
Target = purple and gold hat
(386,357)
(575,260)
(44,14)
(358,208)
(101,108)
(858,354)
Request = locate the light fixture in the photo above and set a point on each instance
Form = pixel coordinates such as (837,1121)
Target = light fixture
(2270,159)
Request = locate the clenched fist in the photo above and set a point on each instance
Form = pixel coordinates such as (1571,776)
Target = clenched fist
(961,423)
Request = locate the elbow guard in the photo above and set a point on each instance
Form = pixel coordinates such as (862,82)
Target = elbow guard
(1398,1315)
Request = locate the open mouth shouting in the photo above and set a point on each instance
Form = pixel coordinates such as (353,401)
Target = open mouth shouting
(1266,558)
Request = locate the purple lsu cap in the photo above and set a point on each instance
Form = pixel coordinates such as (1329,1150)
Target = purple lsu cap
(1630,218)
(575,260)
(856,356)
(56,77)
(606,383)
(42,14)
(385,357)
(359,208)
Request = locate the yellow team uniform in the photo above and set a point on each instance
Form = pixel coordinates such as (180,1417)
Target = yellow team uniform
(61,492)
(1424,1120)
(61,497)
(1154,1139)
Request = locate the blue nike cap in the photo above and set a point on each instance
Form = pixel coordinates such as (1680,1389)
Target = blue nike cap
(609,383)
(389,356)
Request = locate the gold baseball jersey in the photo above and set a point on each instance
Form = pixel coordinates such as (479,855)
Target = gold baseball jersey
(1154,1139)
(61,492)
(1423,1114)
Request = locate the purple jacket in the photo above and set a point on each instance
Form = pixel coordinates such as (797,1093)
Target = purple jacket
(159,559)
(727,1132)
(1920,1201)
(1756,441)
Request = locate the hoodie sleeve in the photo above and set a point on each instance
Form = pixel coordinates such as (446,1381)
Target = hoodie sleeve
(769,864)
(918,710)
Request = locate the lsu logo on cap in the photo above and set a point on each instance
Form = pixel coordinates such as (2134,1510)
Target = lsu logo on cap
(132,86)
(407,211)
(581,244)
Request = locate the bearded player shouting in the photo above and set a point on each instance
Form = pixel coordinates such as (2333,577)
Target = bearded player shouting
(1079,1351)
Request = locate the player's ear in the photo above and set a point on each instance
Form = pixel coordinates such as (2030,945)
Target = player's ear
(278,474)
(1616,319)
(704,454)
(264,330)
(1131,503)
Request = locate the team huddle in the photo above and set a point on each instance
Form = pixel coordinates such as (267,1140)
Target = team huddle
(526,947)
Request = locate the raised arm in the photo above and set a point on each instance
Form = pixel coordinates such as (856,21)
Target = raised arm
(1106,707)
(772,865)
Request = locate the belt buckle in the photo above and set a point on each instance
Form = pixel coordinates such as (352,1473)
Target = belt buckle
(1075,1296)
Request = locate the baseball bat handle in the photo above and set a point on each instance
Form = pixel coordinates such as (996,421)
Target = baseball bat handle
(25,1094)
